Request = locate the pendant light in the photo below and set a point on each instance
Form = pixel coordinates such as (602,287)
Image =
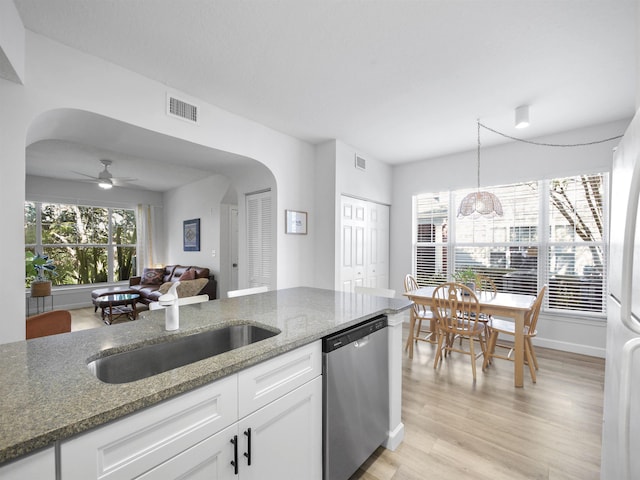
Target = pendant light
(480,204)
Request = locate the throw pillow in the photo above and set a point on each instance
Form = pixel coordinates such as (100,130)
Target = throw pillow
(152,276)
(188,275)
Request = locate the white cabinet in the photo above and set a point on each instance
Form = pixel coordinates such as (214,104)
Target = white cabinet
(272,410)
(208,460)
(40,465)
(285,437)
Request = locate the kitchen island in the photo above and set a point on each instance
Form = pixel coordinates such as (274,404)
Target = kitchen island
(47,393)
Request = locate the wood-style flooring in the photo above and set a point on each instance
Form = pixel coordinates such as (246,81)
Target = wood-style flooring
(456,429)
(490,430)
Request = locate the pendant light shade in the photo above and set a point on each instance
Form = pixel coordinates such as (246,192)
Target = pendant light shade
(480,204)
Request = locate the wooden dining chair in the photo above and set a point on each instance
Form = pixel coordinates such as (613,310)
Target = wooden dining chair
(498,326)
(457,312)
(418,314)
(485,286)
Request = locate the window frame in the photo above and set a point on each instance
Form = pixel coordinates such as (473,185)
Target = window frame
(544,242)
(110,246)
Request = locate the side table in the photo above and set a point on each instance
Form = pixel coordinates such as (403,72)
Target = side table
(40,302)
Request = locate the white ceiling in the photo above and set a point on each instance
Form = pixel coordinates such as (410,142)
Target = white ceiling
(399,80)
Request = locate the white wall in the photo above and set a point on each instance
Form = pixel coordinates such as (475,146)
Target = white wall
(336,175)
(58,77)
(504,164)
(324,223)
(202,200)
(11,43)
(373,184)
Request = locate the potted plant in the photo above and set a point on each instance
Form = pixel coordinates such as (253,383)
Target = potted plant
(466,277)
(39,268)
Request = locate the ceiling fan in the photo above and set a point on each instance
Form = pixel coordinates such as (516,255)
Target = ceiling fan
(105,179)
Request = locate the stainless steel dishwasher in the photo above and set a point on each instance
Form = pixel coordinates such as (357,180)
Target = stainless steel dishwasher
(356,396)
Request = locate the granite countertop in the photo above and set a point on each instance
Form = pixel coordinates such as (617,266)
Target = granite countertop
(48,394)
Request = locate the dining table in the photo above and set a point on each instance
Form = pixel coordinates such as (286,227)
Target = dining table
(499,304)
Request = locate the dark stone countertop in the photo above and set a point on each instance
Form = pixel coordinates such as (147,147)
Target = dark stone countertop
(48,394)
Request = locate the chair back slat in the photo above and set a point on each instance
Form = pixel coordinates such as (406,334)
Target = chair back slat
(485,286)
(411,284)
(531,318)
(456,308)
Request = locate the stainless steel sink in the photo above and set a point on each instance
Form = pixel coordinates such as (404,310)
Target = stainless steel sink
(150,360)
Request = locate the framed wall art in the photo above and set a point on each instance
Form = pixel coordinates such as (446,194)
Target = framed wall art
(295,222)
(191,235)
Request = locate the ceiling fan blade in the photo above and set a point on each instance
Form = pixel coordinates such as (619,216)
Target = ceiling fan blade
(85,175)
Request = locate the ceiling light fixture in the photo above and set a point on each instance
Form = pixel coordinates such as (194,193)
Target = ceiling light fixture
(479,203)
(105,183)
(522,116)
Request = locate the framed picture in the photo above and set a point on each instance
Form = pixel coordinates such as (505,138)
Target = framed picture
(191,235)
(295,222)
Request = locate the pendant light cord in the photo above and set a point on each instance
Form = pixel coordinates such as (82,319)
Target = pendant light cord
(538,143)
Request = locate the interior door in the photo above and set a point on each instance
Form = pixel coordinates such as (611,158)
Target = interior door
(352,235)
(377,246)
(364,244)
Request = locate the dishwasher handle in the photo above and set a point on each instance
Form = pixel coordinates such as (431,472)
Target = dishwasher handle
(359,334)
(361,343)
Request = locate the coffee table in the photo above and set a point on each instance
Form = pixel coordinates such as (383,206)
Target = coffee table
(116,305)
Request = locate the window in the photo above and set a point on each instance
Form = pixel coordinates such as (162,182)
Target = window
(552,232)
(88,244)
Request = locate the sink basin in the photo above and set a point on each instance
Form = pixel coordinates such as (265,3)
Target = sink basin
(150,360)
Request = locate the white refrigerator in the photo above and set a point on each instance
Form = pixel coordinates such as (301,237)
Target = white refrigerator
(621,427)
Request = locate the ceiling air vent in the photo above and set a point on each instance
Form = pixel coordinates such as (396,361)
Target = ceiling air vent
(181,109)
(361,163)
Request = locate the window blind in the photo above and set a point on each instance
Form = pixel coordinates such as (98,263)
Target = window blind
(552,232)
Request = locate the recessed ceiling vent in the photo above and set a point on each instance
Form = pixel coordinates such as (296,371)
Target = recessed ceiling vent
(361,163)
(181,109)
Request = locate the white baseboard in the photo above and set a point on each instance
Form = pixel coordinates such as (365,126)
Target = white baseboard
(394,438)
(570,347)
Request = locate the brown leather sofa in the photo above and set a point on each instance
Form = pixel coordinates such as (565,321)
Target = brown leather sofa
(148,284)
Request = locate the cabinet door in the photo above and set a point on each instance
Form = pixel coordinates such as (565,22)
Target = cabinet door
(285,437)
(208,460)
(40,465)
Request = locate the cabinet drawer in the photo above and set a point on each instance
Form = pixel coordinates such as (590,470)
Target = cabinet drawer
(133,445)
(40,465)
(267,381)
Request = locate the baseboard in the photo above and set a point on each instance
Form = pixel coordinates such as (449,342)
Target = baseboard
(394,438)
(570,347)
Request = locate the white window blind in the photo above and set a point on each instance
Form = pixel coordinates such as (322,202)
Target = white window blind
(431,241)
(576,257)
(552,232)
(503,248)
(259,239)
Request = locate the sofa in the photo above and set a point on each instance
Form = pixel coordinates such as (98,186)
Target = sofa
(154,282)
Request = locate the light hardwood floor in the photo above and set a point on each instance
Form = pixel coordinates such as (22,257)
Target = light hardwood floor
(490,430)
(455,429)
